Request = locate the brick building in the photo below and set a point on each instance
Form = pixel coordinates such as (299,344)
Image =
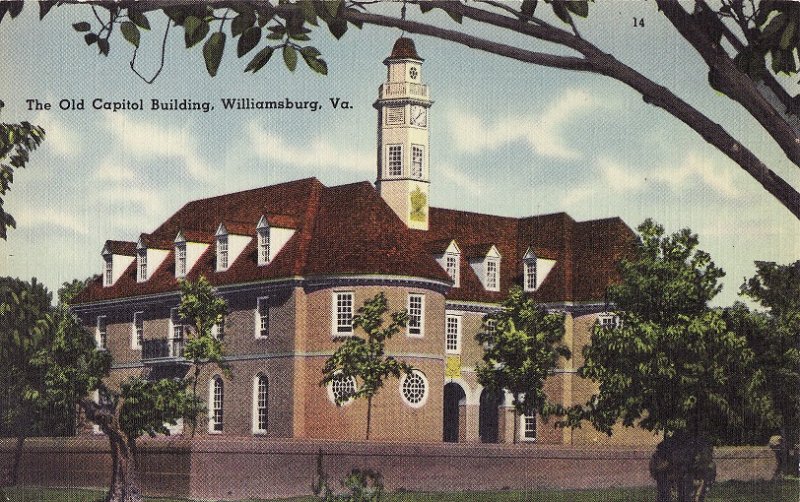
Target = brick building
(295,260)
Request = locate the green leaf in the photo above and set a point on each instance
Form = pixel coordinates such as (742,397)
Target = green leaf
(212,51)
(195,30)
(249,39)
(333,7)
(44,8)
(290,57)
(260,59)
(90,38)
(14,8)
(138,19)
(103,45)
(775,26)
(788,34)
(130,32)
(318,65)
(308,11)
(561,11)
(578,7)
(82,26)
(527,9)
(241,22)
(309,51)
(455,16)
(337,27)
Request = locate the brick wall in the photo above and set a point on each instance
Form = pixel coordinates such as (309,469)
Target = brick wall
(237,468)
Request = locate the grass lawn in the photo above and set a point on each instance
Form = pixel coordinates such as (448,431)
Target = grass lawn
(732,491)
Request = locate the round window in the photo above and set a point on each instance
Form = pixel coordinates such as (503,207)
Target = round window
(341,389)
(414,389)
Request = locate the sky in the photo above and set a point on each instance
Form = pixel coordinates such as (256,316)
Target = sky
(507,138)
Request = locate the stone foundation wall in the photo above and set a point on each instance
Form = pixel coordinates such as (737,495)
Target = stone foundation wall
(233,469)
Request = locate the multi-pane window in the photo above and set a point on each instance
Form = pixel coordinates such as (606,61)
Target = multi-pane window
(491,275)
(262,317)
(262,395)
(528,427)
(180,259)
(417,154)
(342,389)
(490,329)
(530,275)
(414,389)
(395,160)
(222,252)
(216,410)
(138,330)
(218,330)
(344,313)
(142,259)
(451,266)
(263,246)
(108,276)
(416,312)
(608,321)
(102,332)
(452,334)
(176,335)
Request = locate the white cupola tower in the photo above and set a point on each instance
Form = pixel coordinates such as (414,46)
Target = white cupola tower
(403,138)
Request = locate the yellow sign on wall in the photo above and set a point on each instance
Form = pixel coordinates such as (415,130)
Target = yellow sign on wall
(452,367)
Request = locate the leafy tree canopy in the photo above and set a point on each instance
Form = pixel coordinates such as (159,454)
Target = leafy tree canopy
(17,141)
(521,349)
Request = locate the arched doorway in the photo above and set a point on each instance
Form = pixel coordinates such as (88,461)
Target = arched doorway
(488,418)
(453,397)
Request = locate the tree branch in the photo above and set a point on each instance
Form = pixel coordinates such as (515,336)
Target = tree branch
(736,85)
(605,64)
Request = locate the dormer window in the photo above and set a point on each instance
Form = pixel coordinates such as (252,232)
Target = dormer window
(222,253)
(529,274)
(451,266)
(180,259)
(492,274)
(141,256)
(262,229)
(108,271)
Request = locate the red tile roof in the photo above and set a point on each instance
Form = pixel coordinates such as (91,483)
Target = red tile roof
(349,230)
(404,48)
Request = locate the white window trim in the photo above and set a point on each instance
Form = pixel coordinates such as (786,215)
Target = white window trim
(212,386)
(97,337)
(217,329)
(223,253)
(263,242)
(389,172)
(96,428)
(135,345)
(421,149)
(421,333)
(332,396)
(181,271)
(173,315)
(456,277)
(523,430)
(256,383)
(335,313)
(141,265)
(108,270)
(526,275)
(496,286)
(609,316)
(424,397)
(458,319)
(257,317)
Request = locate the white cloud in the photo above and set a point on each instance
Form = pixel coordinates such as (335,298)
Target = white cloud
(110,171)
(694,171)
(39,216)
(147,140)
(459,179)
(58,137)
(319,153)
(544,134)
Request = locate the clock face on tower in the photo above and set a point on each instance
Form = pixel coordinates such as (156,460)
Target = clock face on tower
(419,116)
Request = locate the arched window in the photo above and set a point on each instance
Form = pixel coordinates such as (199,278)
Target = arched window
(260,403)
(215,399)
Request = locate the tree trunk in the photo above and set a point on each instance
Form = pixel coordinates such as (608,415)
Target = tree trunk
(369,414)
(683,464)
(194,397)
(125,483)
